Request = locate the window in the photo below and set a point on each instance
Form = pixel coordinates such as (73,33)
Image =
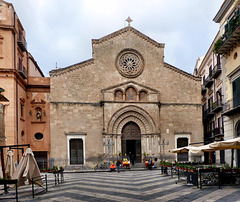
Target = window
(118,95)
(22,101)
(236,92)
(143,96)
(210,101)
(131,94)
(182,142)
(22,110)
(38,136)
(220,125)
(204,80)
(210,71)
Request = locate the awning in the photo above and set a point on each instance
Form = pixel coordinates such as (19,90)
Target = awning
(181,149)
(221,145)
(226,144)
(192,149)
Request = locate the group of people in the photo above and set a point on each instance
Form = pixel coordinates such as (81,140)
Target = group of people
(113,167)
(149,163)
(124,162)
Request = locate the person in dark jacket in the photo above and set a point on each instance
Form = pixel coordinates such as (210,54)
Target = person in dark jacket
(118,165)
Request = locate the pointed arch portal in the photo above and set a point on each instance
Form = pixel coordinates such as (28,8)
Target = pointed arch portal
(131,140)
(131,123)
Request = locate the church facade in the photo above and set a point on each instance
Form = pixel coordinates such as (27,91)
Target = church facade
(124,99)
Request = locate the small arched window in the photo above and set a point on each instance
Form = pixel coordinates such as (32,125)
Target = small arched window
(131,94)
(143,96)
(118,95)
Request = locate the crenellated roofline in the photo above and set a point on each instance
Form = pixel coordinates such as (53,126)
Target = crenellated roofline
(124,30)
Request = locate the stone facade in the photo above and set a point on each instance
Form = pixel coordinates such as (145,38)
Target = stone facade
(126,82)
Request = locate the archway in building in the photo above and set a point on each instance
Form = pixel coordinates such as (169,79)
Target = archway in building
(131,140)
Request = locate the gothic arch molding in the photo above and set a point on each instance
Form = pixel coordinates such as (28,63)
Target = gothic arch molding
(131,113)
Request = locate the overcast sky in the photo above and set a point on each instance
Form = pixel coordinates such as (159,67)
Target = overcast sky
(60,31)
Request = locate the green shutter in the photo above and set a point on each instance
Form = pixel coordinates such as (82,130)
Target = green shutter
(236,92)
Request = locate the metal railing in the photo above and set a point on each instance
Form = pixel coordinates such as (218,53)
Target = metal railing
(22,41)
(230,105)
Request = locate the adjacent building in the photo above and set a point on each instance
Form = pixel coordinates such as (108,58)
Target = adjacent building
(227,47)
(24,91)
(209,68)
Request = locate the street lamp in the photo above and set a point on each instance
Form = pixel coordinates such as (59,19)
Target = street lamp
(109,144)
(163,144)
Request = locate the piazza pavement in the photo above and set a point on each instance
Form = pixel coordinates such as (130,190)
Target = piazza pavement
(129,185)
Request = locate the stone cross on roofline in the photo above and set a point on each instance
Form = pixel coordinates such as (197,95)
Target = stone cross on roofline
(129,20)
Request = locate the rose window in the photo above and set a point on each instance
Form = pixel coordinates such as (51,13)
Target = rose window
(129,64)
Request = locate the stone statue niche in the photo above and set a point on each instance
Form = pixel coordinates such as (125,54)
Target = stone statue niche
(38,113)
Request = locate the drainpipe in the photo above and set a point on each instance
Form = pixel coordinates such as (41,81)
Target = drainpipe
(15,67)
(14,44)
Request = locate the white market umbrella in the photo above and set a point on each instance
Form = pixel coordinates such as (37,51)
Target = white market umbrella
(10,168)
(204,148)
(181,149)
(226,144)
(27,169)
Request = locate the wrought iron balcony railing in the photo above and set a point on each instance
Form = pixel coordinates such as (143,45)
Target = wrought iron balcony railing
(230,36)
(231,107)
(216,71)
(217,106)
(22,42)
(209,81)
(22,71)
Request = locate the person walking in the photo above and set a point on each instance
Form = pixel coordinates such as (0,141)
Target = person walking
(133,158)
(118,165)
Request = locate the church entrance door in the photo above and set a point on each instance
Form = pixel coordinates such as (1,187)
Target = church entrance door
(131,140)
(76,151)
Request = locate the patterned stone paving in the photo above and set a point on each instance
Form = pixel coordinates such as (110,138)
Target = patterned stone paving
(133,186)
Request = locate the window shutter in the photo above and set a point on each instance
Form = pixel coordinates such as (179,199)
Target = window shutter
(236,92)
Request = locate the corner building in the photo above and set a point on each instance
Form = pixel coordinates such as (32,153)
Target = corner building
(25,90)
(125,99)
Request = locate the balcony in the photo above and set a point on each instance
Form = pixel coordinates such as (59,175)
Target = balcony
(208,113)
(22,42)
(218,132)
(216,71)
(231,108)
(230,37)
(22,71)
(204,90)
(217,106)
(209,81)
(208,136)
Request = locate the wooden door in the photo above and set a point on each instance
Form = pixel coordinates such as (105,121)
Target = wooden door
(76,151)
